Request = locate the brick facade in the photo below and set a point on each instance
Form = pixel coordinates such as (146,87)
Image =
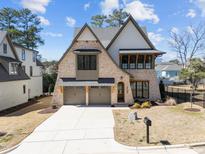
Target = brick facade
(107,68)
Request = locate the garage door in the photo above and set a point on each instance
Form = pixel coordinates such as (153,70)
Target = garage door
(99,95)
(74,95)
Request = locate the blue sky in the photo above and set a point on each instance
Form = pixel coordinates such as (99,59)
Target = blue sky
(59,17)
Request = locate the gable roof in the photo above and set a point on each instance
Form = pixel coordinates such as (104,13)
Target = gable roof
(130,18)
(105,35)
(78,35)
(4,34)
(21,46)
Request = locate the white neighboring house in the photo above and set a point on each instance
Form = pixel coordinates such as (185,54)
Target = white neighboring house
(33,69)
(14,81)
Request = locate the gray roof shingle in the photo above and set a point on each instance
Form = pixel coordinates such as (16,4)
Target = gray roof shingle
(105,35)
(4,75)
(168,67)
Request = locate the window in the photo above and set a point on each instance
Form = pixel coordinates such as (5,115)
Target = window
(31,71)
(34,56)
(140,89)
(13,68)
(132,61)
(140,62)
(148,62)
(5,48)
(23,54)
(132,64)
(24,89)
(24,68)
(124,62)
(86,62)
(133,87)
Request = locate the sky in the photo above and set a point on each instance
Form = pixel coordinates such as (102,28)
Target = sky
(59,17)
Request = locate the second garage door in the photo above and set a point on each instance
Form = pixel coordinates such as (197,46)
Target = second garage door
(99,95)
(74,95)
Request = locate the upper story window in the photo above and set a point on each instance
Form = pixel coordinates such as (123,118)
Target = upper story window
(140,62)
(148,62)
(132,64)
(23,54)
(31,71)
(136,61)
(13,68)
(5,48)
(86,62)
(34,56)
(124,63)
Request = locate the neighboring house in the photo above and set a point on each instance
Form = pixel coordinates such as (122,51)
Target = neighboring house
(168,72)
(107,66)
(33,68)
(20,75)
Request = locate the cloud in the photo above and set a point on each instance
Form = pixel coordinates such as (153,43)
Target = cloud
(35,5)
(170,55)
(86,6)
(51,34)
(44,21)
(141,11)
(174,30)
(159,30)
(107,6)
(155,38)
(70,21)
(191,13)
(200,4)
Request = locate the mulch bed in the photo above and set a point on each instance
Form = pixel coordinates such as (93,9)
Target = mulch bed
(192,109)
(48,110)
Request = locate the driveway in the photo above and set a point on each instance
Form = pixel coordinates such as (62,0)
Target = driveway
(82,130)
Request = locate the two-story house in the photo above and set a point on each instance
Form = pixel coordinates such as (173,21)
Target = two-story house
(108,66)
(33,69)
(20,73)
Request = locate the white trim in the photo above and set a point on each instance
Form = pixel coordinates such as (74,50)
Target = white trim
(139,51)
(84,83)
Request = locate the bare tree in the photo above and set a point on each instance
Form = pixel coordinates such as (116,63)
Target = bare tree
(188,43)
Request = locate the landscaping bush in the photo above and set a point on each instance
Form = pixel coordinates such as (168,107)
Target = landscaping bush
(171,102)
(136,106)
(146,104)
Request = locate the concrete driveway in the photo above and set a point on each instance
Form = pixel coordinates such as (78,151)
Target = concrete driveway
(83,130)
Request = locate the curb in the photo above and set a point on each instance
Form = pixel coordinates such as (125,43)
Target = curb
(10,149)
(164,146)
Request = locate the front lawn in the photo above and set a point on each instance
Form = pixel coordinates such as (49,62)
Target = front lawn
(21,123)
(169,123)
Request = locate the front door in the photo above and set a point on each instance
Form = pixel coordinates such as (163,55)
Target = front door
(120,96)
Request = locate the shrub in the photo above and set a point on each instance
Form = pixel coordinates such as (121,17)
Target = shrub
(146,104)
(136,106)
(171,102)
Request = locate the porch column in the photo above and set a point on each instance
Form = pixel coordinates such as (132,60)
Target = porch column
(87,95)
